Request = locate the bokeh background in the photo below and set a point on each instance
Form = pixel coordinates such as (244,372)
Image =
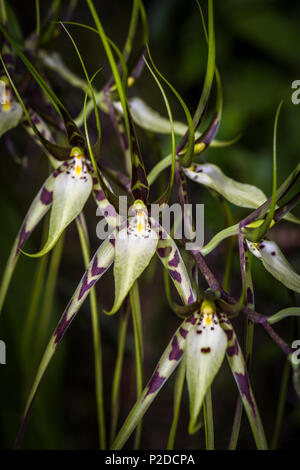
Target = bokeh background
(258,57)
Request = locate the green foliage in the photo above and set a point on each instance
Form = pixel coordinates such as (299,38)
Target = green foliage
(149,136)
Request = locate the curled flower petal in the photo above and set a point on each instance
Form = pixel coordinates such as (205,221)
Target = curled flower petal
(275,262)
(240,194)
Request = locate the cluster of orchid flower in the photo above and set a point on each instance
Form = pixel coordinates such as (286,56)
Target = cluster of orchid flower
(206,333)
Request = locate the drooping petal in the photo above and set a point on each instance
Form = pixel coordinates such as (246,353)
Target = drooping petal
(149,119)
(72,187)
(275,262)
(205,350)
(238,367)
(97,267)
(171,258)
(10,118)
(134,248)
(39,207)
(240,194)
(165,367)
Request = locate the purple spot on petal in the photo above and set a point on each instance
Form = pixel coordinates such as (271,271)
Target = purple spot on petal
(164,252)
(46,196)
(233,350)
(57,172)
(205,350)
(100,196)
(192,320)
(229,333)
(155,383)
(175,261)
(176,352)
(85,286)
(191,297)
(63,325)
(96,270)
(183,332)
(36,120)
(175,275)
(23,236)
(243,384)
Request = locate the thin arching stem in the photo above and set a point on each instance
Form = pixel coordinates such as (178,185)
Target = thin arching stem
(115,400)
(138,340)
(82,232)
(208,421)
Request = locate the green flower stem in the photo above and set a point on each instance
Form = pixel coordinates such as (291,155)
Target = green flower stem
(49,290)
(284,383)
(3,12)
(236,425)
(249,332)
(281,403)
(115,401)
(230,244)
(32,310)
(38,18)
(208,421)
(178,389)
(83,236)
(138,339)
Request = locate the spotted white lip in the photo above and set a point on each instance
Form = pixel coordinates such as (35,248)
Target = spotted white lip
(135,245)
(205,350)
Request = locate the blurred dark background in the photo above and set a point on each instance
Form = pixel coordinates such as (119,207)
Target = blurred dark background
(257,45)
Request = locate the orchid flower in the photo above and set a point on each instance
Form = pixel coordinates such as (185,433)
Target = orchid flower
(202,341)
(65,192)
(10,110)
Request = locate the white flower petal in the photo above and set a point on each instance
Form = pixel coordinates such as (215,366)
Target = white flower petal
(72,187)
(275,262)
(10,119)
(240,194)
(205,351)
(134,248)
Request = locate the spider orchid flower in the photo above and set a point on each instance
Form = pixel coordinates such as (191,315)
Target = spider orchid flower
(248,196)
(130,246)
(10,110)
(202,341)
(65,192)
